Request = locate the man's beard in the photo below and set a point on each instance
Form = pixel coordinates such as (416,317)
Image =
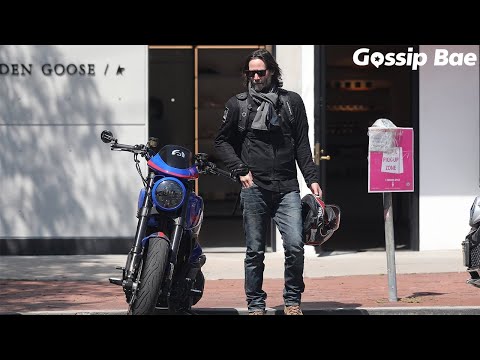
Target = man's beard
(263,86)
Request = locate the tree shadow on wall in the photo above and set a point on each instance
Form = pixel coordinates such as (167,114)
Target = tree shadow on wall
(53,178)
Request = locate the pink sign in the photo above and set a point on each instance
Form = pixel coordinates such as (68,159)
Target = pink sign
(390,160)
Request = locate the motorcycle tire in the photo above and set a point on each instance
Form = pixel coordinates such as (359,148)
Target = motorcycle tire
(151,278)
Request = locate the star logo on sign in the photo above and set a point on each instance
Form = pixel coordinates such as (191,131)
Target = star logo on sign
(120,70)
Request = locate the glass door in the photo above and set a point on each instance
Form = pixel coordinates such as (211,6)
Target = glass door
(218,76)
(350,99)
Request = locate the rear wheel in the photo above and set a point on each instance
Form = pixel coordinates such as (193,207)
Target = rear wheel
(151,278)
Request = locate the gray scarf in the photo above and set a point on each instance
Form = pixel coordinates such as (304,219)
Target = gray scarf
(266,115)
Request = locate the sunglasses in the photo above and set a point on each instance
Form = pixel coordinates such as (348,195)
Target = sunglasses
(251,73)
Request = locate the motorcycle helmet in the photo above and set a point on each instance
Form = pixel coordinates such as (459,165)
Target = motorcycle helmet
(320,221)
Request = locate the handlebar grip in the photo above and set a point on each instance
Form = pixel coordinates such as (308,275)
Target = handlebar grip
(123,146)
(136,149)
(214,170)
(223,172)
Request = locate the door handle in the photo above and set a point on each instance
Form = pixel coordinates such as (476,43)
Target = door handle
(318,154)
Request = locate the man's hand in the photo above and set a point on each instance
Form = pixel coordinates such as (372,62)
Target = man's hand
(241,170)
(316,189)
(246,180)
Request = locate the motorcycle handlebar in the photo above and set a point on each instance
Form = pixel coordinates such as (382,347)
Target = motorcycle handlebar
(226,174)
(201,159)
(208,167)
(136,149)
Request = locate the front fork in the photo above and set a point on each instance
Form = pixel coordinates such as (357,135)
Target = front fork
(177,235)
(130,273)
(137,249)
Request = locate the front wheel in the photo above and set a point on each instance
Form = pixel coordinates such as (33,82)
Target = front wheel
(151,278)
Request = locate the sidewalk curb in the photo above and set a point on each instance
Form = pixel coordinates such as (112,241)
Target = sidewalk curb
(440,310)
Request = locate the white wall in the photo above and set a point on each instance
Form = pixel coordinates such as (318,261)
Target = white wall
(297,64)
(57,178)
(449,148)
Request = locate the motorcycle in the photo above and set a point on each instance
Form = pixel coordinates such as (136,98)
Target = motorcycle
(163,266)
(471,245)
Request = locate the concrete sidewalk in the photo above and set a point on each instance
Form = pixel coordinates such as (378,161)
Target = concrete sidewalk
(427,282)
(229,265)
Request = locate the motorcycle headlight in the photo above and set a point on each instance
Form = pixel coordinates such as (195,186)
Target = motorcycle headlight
(168,193)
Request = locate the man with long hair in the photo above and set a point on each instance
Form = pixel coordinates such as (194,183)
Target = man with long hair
(264,133)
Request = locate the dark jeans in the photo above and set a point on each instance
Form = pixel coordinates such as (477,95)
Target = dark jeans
(259,206)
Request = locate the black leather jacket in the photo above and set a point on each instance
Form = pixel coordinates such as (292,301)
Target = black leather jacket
(270,155)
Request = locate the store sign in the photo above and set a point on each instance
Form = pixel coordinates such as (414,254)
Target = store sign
(49,69)
(390,160)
